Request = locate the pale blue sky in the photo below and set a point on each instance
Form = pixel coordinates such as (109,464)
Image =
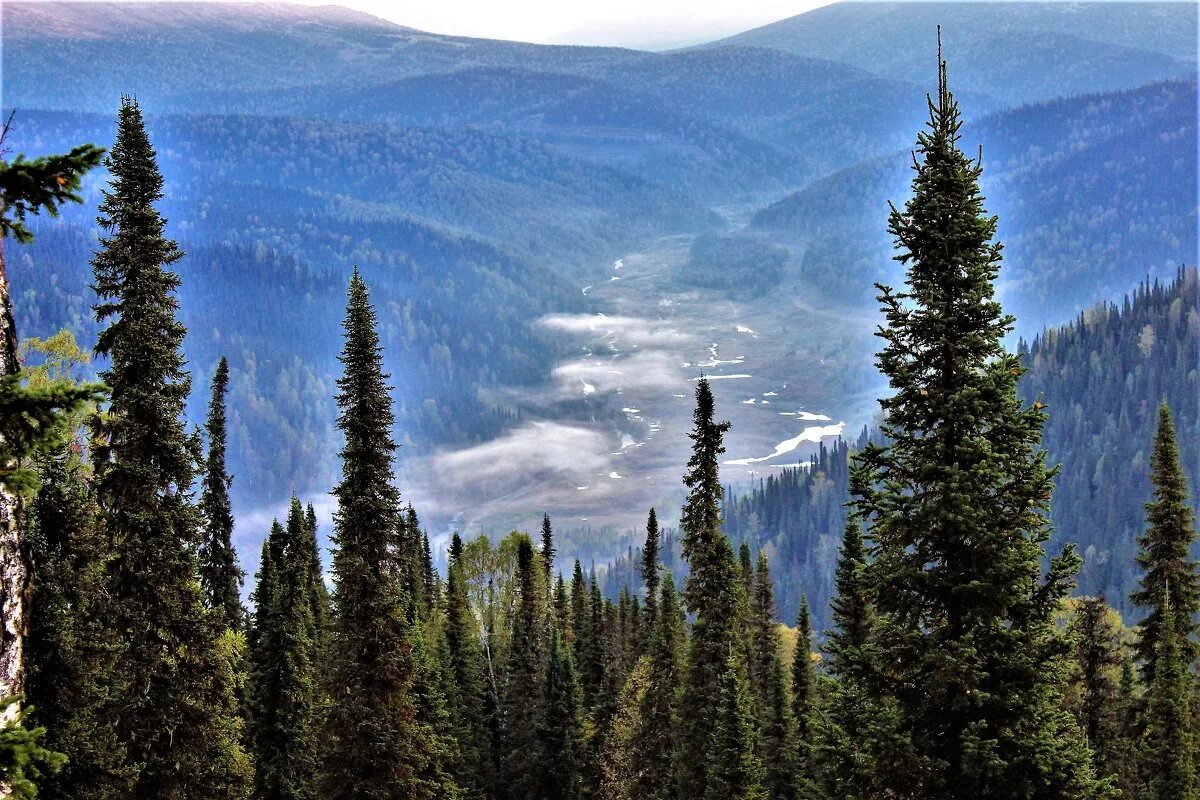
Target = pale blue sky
(631,23)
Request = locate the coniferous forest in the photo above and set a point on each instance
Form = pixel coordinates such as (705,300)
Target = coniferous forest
(948,655)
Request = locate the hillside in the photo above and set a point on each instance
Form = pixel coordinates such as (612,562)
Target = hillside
(1058,175)
(1018,51)
(1103,377)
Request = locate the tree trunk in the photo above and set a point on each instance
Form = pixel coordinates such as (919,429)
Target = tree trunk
(14,573)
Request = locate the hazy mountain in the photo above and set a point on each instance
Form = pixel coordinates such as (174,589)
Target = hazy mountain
(1091,192)
(1015,51)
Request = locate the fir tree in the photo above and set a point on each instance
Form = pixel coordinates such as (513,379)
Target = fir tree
(523,684)
(177,719)
(1165,555)
(734,771)
(374,745)
(804,693)
(651,568)
(711,593)
(465,688)
(655,738)
(579,621)
(69,648)
(843,753)
(560,734)
(317,590)
(220,574)
(957,502)
(776,727)
(547,552)
(1098,665)
(1169,757)
(286,658)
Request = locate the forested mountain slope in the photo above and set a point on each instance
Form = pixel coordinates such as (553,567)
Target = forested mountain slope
(1019,51)
(1087,189)
(1103,377)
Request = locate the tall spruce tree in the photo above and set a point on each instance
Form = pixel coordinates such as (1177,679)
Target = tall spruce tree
(523,683)
(957,504)
(734,770)
(317,590)
(220,574)
(848,737)
(712,593)
(1169,758)
(176,713)
(776,726)
(69,647)
(1165,556)
(804,694)
(547,552)
(374,746)
(655,737)
(651,567)
(464,684)
(560,733)
(287,659)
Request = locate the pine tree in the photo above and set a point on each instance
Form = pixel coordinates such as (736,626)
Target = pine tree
(957,503)
(317,590)
(1165,555)
(1098,665)
(523,684)
(712,593)
(69,648)
(651,567)
(804,693)
(734,771)
(374,746)
(465,688)
(176,714)
(654,765)
(560,734)
(1169,758)
(579,623)
(220,574)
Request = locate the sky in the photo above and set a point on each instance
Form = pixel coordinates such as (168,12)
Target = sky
(654,24)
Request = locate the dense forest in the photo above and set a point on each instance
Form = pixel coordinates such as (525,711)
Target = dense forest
(952,663)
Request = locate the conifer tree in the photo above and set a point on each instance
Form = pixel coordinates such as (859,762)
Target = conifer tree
(1098,665)
(220,574)
(560,734)
(562,612)
(579,622)
(655,738)
(285,694)
(850,735)
(523,683)
(69,648)
(1169,759)
(176,713)
(651,568)
(1165,555)
(776,727)
(374,746)
(712,593)
(804,693)
(318,591)
(547,552)
(465,688)
(734,770)
(957,504)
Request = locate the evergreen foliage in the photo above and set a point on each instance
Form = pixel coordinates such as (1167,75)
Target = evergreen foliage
(733,769)
(1169,758)
(712,590)
(175,707)
(1169,573)
(523,683)
(374,745)
(956,502)
(560,733)
(655,740)
(220,574)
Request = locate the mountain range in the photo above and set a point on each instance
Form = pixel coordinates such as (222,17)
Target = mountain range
(488,190)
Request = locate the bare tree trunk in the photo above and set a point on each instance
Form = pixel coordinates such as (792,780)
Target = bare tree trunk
(14,573)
